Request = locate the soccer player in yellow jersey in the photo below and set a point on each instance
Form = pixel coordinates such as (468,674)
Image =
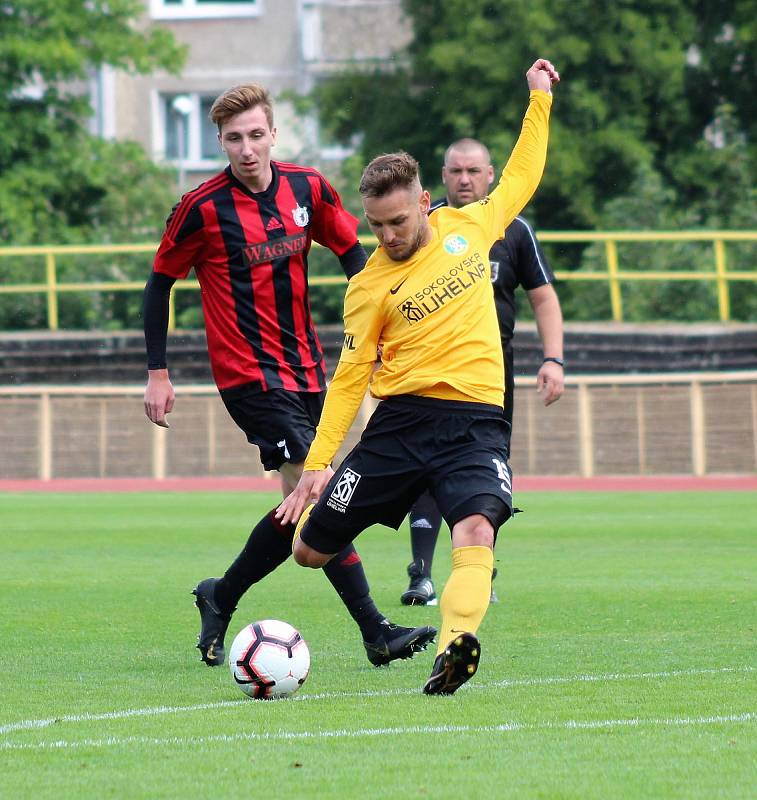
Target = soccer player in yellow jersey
(425,298)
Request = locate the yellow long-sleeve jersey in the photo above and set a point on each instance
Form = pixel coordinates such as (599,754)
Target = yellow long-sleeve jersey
(433,314)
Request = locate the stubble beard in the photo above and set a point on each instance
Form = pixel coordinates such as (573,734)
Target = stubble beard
(411,250)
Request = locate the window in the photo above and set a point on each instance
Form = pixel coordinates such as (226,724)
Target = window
(209,147)
(176,131)
(204,9)
(184,132)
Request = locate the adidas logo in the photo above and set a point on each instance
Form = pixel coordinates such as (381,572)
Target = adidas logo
(273,224)
(421,523)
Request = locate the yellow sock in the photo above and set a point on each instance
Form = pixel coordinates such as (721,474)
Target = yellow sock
(301,523)
(465,598)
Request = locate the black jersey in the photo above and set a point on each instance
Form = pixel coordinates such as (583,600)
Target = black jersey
(516,260)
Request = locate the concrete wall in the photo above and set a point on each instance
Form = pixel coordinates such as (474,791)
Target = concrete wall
(616,425)
(73,358)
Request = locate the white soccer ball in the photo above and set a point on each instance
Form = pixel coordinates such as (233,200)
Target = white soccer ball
(269,659)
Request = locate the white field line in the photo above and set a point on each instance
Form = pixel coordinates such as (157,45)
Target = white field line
(152,711)
(412,730)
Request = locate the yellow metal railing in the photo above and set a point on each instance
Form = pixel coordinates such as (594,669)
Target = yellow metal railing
(613,274)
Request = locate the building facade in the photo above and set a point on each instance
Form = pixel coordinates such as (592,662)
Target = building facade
(286,45)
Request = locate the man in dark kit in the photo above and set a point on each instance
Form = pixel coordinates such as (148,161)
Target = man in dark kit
(517,259)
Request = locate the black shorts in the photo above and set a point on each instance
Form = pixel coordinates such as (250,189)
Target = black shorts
(281,423)
(412,444)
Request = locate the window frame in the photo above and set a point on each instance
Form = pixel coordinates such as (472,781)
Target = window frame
(194,160)
(197,9)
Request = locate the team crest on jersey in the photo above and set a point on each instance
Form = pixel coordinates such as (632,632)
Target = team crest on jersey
(300,216)
(495,269)
(455,244)
(342,493)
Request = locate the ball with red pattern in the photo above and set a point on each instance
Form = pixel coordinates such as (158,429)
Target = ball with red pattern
(269,659)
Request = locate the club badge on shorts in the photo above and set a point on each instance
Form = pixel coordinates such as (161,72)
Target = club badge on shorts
(342,493)
(495,270)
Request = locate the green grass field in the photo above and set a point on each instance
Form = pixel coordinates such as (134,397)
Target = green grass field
(620,661)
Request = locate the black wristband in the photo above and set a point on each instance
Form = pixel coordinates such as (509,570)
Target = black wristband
(555,361)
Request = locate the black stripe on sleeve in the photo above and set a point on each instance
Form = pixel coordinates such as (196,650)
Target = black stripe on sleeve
(353,260)
(155,306)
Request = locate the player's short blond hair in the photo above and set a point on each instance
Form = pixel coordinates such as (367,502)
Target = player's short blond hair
(388,172)
(238,99)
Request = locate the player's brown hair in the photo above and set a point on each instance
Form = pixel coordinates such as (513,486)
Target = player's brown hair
(238,99)
(388,172)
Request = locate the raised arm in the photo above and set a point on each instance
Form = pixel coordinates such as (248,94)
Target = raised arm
(524,168)
(542,75)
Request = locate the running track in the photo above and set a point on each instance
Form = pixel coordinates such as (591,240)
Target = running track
(647,483)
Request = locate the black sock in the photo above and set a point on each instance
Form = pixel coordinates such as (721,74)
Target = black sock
(347,576)
(425,522)
(269,545)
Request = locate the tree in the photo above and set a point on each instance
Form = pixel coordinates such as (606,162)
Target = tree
(647,86)
(59,183)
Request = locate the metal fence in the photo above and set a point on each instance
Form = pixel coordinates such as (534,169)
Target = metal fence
(614,274)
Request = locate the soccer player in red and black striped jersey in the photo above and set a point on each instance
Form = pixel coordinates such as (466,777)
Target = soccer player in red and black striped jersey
(247,232)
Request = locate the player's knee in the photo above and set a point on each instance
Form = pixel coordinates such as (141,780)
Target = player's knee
(305,556)
(301,553)
(482,533)
(473,531)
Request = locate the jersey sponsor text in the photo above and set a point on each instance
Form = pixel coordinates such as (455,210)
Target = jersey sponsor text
(279,248)
(442,289)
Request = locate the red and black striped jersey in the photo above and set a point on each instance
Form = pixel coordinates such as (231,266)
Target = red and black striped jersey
(249,251)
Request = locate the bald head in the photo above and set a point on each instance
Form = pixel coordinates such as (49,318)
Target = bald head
(467,172)
(468,147)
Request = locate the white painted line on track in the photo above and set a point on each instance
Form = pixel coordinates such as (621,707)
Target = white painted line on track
(31,724)
(343,733)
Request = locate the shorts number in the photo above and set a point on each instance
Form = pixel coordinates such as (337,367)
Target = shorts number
(503,473)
